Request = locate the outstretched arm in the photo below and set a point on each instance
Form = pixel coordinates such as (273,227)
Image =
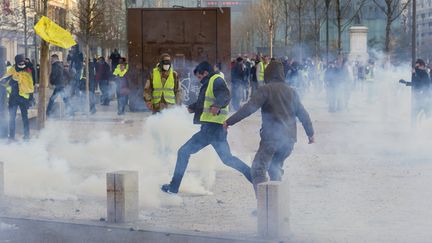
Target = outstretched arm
(256,102)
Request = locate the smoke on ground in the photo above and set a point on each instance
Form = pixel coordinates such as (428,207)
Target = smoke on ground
(54,166)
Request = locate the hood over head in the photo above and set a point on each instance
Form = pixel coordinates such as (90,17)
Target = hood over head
(274,72)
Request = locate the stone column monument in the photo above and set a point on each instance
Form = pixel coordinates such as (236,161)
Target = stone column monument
(358,43)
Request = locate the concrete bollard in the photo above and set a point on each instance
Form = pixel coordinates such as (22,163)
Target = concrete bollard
(273,209)
(122,196)
(1,180)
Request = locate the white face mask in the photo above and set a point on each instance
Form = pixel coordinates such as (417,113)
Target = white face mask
(166,67)
(22,66)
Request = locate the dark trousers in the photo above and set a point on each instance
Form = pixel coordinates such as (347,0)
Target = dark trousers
(210,134)
(23,104)
(57,91)
(237,95)
(105,97)
(254,87)
(270,158)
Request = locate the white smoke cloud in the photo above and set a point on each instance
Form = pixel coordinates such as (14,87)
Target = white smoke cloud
(55,166)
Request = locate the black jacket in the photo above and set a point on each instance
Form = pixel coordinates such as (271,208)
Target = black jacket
(56,75)
(420,81)
(220,91)
(280,106)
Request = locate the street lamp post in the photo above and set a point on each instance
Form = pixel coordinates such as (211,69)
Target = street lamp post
(414,32)
(327,4)
(270,23)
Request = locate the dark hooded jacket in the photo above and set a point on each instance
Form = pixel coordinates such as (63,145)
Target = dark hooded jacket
(280,105)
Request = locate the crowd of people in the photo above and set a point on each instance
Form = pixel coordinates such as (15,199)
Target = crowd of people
(68,81)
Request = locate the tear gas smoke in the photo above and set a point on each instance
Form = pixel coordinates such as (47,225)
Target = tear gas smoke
(53,166)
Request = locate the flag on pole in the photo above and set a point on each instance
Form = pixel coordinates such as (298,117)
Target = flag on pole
(53,33)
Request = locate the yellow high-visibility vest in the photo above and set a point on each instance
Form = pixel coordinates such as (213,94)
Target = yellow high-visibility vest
(118,72)
(25,82)
(209,100)
(262,69)
(159,90)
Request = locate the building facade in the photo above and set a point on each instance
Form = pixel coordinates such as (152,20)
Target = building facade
(17,19)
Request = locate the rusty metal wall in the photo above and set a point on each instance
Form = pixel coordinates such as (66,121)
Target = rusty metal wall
(189,35)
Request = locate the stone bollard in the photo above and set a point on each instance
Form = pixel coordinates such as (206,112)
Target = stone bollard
(273,209)
(1,180)
(122,196)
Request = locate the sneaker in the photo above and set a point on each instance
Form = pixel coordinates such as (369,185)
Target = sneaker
(167,188)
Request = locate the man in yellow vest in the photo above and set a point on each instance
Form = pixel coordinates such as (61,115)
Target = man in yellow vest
(261,66)
(162,89)
(19,84)
(211,111)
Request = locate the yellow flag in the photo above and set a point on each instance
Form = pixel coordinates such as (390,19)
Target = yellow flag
(53,33)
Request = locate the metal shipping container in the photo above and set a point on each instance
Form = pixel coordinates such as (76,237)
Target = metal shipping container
(189,35)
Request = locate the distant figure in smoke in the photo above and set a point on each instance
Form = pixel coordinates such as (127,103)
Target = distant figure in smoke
(19,84)
(246,80)
(253,77)
(280,106)
(57,79)
(122,84)
(102,77)
(162,89)
(421,93)
(75,59)
(237,79)
(331,85)
(260,68)
(211,110)
(115,59)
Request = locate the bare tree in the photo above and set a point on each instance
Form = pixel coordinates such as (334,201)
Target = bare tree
(392,10)
(346,12)
(44,68)
(89,17)
(318,15)
(286,18)
(270,18)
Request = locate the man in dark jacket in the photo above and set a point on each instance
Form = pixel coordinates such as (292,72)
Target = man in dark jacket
(56,79)
(211,110)
(115,59)
(237,79)
(103,74)
(420,91)
(280,106)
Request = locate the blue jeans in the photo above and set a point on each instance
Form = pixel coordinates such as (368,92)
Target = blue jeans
(210,134)
(122,101)
(57,91)
(23,104)
(236,93)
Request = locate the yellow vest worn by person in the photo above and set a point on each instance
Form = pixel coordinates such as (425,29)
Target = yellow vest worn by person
(262,69)
(25,82)
(167,91)
(209,100)
(119,73)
